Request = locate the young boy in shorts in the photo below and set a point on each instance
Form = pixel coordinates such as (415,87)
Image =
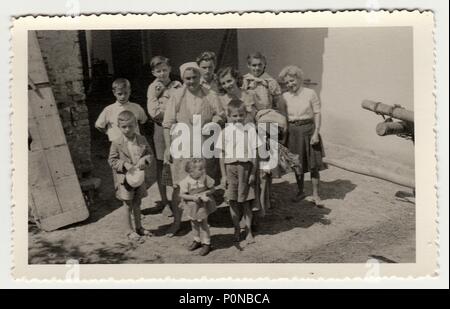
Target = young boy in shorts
(130,153)
(238,163)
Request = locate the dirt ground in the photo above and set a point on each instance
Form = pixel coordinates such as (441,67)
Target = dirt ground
(361,220)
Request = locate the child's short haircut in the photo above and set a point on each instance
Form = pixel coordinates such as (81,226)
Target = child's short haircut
(157,60)
(190,164)
(235,104)
(207,56)
(256,55)
(121,83)
(126,116)
(233,72)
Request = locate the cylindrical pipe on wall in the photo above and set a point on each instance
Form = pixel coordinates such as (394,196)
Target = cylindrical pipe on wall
(391,111)
(391,128)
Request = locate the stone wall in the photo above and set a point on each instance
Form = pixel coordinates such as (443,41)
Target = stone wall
(62,57)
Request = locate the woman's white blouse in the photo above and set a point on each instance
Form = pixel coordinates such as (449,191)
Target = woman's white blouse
(302,104)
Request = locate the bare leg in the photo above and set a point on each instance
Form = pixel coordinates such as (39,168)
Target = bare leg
(236,218)
(128,213)
(136,208)
(205,237)
(177,212)
(248,214)
(134,220)
(263,194)
(315,180)
(205,234)
(161,187)
(269,191)
(300,179)
(195,230)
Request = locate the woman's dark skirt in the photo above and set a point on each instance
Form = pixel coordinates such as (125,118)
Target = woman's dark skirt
(299,142)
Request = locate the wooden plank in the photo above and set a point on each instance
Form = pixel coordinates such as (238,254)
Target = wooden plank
(46,201)
(64,218)
(32,210)
(41,186)
(54,190)
(33,131)
(46,132)
(41,102)
(51,132)
(36,67)
(38,170)
(71,197)
(60,163)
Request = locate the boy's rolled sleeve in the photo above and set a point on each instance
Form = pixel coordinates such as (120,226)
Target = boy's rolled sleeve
(102,122)
(148,153)
(142,116)
(170,113)
(153,106)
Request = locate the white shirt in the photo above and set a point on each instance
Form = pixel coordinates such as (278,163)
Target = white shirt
(188,183)
(108,118)
(239,142)
(302,104)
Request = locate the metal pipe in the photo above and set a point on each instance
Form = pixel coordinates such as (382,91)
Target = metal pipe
(391,111)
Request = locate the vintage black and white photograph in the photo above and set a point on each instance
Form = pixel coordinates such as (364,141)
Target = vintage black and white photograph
(298,145)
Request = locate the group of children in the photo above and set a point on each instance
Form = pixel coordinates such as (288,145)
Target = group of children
(252,98)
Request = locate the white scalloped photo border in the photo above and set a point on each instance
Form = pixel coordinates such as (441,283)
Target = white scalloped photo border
(425,146)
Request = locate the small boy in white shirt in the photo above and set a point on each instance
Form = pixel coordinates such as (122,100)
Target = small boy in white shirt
(238,164)
(107,120)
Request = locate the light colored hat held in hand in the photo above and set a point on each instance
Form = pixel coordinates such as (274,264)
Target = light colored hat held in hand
(135,177)
(188,65)
(271,116)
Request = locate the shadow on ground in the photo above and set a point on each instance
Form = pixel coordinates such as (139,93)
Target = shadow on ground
(60,252)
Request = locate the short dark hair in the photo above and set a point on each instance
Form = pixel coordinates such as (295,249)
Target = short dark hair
(126,116)
(207,56)
(235,104)
(157,60)
(120,83)
(233,72)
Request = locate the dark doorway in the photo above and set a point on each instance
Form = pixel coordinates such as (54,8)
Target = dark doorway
(127,53)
